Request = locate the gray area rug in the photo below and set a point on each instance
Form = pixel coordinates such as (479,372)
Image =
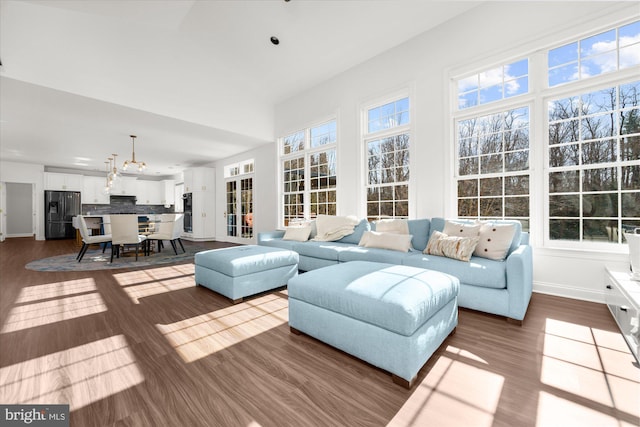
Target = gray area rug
(94,259)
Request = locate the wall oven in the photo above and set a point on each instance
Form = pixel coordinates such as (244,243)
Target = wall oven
(187,202)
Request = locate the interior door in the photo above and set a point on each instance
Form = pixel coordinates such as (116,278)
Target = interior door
(3,211)
(239,209)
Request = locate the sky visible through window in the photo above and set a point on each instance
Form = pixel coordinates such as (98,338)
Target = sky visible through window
(612,50)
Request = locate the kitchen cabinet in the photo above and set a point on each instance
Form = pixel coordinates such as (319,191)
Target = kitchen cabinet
(124,186)
(199,179)
(93,190)
(149,192)
(169,187)
(204,224)
(200,182)
(62,181)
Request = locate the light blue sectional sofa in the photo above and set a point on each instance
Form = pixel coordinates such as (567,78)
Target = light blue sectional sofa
(498,287)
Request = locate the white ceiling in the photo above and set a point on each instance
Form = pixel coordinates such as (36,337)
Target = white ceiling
(196,80)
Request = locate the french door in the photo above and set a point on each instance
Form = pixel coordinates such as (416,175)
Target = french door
(239,209)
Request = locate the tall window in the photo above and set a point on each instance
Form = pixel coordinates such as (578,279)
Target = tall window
(309,178)
(493,166)
(590,145)
(387,145)
(594,164)
(492,144)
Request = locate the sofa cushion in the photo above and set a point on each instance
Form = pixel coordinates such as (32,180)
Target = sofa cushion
(398,226)
(382,240)
(461,229)
(478,271)
(324,250)
(279,243)
(394,297)
(439,223)
(360,253)
(456,247)
(419,229)
(495,240)
(299,234)
(358,231)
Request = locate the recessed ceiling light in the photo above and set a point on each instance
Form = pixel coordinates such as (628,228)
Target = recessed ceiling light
(275,40)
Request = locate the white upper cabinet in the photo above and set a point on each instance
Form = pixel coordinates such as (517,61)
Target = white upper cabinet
(149,192)
(124,186)
(169,192)
(62,181)
(93,191)
(199,179)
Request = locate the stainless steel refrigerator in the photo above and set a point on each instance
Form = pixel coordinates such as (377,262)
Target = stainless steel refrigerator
(60,208)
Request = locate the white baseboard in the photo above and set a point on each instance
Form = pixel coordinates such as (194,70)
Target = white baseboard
(19,235)
(569,292)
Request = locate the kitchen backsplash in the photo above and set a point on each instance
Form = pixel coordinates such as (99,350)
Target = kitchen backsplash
(116,209)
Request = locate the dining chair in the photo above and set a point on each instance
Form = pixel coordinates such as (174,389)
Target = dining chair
(124,231)
(88,239)
(169,228)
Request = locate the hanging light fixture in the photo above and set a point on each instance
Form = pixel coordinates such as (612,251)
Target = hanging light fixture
(141,165)
(107,187)
(113,170)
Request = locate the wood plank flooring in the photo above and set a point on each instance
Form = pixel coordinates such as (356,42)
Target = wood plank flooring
(148,348)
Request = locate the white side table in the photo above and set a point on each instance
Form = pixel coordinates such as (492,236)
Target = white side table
(622,295)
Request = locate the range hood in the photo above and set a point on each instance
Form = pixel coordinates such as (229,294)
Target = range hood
(127,201)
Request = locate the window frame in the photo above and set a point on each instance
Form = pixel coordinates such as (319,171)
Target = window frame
(539,93)
(578,89)
(383,133)
(306,152)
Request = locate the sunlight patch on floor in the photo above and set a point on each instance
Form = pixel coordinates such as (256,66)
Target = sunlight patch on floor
(55,290)
(51,311)
(203,335)
(78,376)
(454,393)
(155,281)
(587,363)
(556,411)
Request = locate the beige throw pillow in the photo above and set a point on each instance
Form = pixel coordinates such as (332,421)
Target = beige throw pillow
(495,240)
(461,229)
(299,234)
(455,247)
(398,226)
(392,241)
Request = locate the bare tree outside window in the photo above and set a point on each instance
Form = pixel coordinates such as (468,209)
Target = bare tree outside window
(388,162)
(594,164)
(493,166)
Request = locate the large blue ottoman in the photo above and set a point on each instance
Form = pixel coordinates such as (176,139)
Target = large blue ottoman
(391,316)
(240,271)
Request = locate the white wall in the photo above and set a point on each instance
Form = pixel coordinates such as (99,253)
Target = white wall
(26,173)
(492,31)
(265,199)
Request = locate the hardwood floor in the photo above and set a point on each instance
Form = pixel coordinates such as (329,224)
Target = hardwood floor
(149,348)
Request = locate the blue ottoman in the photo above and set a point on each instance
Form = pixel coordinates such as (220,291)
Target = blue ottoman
(240,271)
(391,316)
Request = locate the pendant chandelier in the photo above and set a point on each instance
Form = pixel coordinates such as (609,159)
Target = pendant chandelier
(141,165)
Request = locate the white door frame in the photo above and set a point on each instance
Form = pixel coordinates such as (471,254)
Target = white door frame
(237,239)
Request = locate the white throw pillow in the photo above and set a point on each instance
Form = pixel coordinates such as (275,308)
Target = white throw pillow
(392,241)
(495,240)
(456,247)
(300,234)
(330,227)
(461,229)
(398,226)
